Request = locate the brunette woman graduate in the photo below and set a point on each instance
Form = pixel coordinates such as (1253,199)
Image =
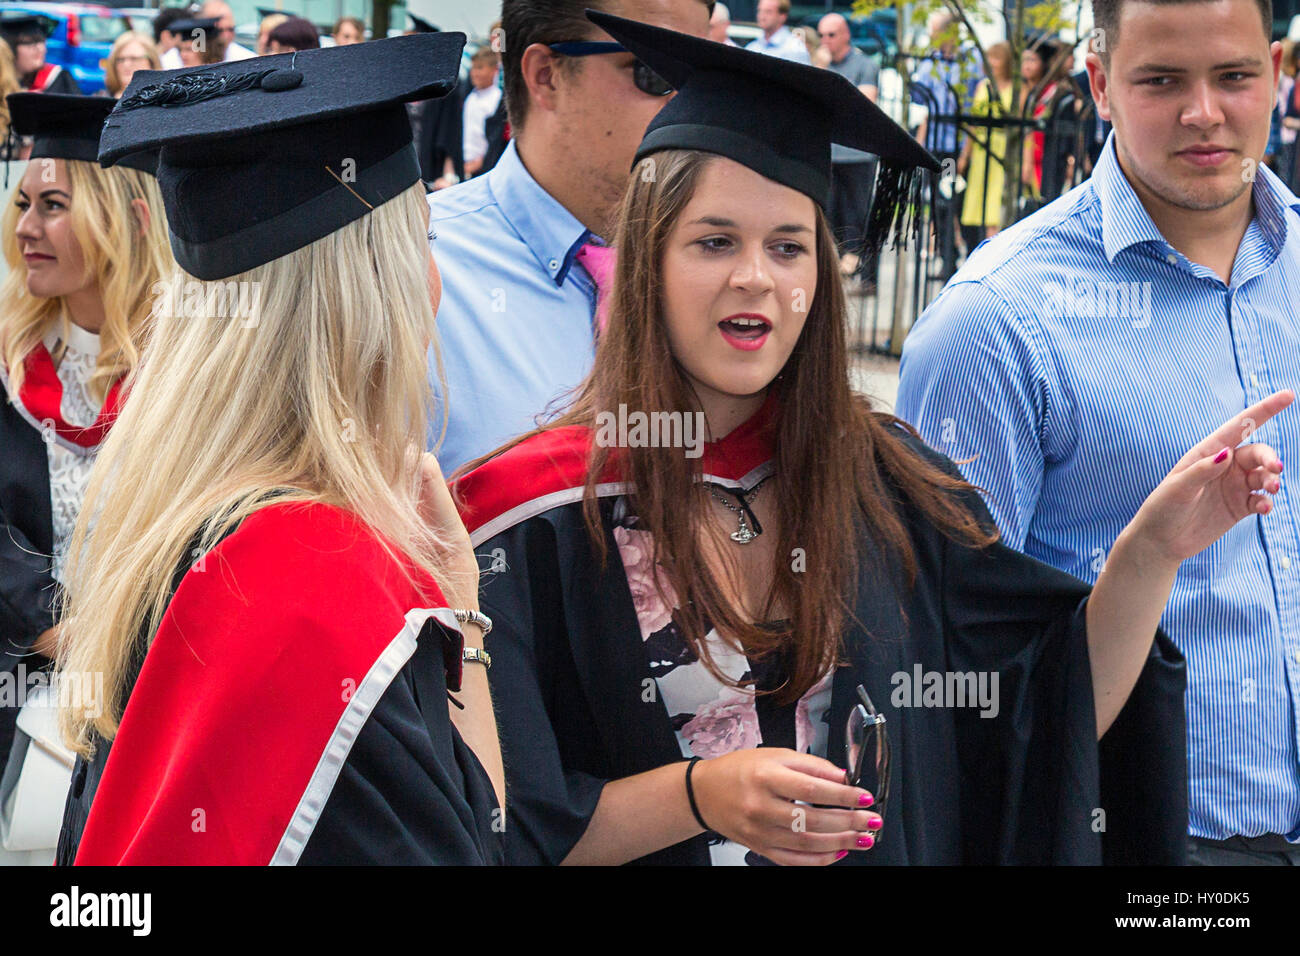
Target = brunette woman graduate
(84,248)
(691,649)
(277,588)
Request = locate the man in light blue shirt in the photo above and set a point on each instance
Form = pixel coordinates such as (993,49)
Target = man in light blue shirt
(1077,355)
(778,39)
(516,320)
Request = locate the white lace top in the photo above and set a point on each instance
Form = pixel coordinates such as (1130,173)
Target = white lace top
(70,471)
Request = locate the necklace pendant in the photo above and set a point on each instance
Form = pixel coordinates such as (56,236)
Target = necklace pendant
(743,535)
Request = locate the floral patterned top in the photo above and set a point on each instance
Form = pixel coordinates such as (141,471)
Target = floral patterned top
(709,717)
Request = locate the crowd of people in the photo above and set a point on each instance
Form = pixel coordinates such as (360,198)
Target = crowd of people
(610,563)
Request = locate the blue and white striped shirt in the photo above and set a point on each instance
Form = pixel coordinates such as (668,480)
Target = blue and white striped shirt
(1075,358)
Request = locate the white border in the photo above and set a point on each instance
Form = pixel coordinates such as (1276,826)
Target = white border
(537,506)
(360,706)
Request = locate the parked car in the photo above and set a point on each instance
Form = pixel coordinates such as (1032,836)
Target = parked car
(140,18)
(83,35)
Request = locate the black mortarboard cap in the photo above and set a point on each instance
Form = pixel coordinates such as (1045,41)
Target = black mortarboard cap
(265,12)
(776,117)
(421,25)
(187,28)
(263,156)
(12,28)
(68,127)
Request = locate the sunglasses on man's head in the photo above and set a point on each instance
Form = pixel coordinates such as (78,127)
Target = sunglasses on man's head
(866,751)
(646,79)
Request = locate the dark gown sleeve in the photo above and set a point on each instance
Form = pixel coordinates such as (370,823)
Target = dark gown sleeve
(64,83)
(441,131)
(411,791)
(534,687)
(27,589)
(28,592)
(1037,787)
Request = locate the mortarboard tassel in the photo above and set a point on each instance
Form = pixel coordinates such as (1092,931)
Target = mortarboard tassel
(895,205)
(195,88)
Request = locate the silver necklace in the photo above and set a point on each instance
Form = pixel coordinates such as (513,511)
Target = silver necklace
(748,527)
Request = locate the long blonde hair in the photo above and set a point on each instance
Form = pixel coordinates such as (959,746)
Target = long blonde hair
(8,84)
(320,393)
(125,260)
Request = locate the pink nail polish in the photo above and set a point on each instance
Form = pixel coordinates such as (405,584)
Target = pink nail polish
(866,800)
(866,841)
(842,854)
(1218,459)
(875,823)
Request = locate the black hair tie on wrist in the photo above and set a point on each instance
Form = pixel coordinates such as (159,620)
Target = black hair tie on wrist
(690,795)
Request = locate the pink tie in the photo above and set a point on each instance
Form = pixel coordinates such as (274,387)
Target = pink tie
(599,263)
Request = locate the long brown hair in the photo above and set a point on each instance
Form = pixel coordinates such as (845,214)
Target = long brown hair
(845,474)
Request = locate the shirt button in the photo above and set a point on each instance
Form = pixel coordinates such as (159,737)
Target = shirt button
(1253,380)
(1171,258)
(554,264)
(1285,562)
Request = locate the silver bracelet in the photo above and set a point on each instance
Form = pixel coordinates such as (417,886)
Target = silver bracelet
(474,617)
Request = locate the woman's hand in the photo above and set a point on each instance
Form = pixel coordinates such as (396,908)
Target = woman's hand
(439,512)
(1212,487)
(749,797)
(477,721)
(48,642)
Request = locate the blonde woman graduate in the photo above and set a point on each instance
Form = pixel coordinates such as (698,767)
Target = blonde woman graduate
(745,619)
(276,587)
(84,248)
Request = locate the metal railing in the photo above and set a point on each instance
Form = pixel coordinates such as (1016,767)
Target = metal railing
(887,297)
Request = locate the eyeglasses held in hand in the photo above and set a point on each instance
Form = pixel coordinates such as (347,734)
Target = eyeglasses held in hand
(646,79)
(866,750)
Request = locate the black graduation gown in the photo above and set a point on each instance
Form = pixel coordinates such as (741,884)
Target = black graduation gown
(1029,786)
(62,82)
(28,592)
(497,130)
(438,127)
(400,787)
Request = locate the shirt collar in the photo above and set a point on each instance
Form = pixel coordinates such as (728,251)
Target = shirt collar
(549,230)
(1125,221)
(781,34)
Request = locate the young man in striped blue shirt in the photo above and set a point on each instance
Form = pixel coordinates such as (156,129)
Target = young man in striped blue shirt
(1077,354)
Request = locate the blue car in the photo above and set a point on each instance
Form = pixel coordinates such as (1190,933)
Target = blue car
(82,36)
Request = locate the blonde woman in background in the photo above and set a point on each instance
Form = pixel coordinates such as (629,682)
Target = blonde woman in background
(349,30)
(8,84)
(84,248)
(268,24)
(278,592)
(130,52)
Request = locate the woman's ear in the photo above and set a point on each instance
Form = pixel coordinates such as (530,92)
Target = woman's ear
(141,209)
